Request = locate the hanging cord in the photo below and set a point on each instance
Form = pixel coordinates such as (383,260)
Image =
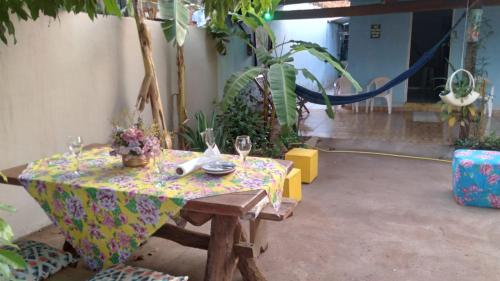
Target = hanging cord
(381,154)
(464,43)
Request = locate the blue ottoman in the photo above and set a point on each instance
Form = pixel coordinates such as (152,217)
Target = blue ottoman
(476,178)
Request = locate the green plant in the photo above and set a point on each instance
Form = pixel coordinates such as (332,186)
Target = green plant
(280,74)
(243,118)
(490,142)
(8,259)
(32,9)
(193,138)
(217,10)
(465,116)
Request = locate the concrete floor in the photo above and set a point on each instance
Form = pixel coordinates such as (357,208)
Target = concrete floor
(364,218)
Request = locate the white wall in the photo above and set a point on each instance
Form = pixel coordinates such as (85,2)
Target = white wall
(386,56)
(318,31)
(71,77)
(235,60)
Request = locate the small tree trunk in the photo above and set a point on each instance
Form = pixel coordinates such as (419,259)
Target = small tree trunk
(473,30)
(150,91)
(181,95)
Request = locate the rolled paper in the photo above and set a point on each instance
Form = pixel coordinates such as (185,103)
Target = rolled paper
(195,164)
(190,166)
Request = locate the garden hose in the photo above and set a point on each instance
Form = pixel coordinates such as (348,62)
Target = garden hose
(381,154)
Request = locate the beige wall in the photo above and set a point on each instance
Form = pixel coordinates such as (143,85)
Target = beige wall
(71,77)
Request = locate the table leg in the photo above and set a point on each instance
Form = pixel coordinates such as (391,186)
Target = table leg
(221,259)
(67,247)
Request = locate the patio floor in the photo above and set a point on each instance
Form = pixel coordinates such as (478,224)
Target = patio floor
(364,218)
(403,127)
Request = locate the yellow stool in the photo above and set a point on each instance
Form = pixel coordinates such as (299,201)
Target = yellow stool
(293,185)
(306,160)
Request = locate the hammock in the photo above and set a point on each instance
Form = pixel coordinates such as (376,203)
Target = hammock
(317,98)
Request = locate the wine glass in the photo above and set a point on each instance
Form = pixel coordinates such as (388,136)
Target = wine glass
(158,161)
(75,146)
(209,138)
(243,145)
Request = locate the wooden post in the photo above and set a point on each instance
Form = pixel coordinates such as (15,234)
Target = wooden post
(181,95)
(150,91)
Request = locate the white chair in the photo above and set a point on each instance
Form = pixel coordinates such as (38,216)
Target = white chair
(489,97)
(387,95)
(343,87)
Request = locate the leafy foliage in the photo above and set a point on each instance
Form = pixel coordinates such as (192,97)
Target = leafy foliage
(219,9)
(490,142)
(176,15)
(193,138)
(241,117)
(239,81)
(464,116)
(32,9)
(282,83)
(280,74)
(8,259)
(221,38)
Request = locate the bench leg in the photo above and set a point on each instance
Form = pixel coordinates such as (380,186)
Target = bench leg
(221,259)
(258,234)
(248,266)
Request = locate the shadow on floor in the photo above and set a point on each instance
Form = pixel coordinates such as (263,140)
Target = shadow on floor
(364,218)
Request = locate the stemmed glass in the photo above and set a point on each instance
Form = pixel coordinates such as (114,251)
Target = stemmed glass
(75,146)
(209,137)
(158,161)
(243,145)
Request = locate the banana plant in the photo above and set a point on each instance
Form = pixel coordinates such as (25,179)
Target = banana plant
(175,14)
(218,10)
(175,28)
(280,75)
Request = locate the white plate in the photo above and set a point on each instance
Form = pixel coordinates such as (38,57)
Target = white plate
(219,168)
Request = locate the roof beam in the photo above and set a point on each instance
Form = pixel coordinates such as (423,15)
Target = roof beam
(378,9)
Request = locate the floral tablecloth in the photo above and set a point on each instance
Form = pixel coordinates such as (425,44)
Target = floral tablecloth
(476,178)
(108,210)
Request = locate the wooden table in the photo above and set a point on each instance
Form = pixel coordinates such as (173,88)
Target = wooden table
(228,245)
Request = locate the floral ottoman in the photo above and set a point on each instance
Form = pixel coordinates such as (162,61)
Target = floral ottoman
(476,178)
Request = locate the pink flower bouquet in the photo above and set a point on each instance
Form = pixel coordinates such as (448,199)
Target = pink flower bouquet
(134,142)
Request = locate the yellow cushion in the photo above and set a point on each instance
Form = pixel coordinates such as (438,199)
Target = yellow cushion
(306,160)
(293,185)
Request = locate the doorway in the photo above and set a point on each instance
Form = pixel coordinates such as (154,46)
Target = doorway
(427,29)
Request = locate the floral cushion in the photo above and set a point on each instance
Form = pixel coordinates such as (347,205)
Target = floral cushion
(41,259)
(122,272)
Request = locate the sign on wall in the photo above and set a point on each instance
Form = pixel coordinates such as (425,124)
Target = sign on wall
(375,31)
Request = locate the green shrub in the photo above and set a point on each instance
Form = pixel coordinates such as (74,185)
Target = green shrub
(243,118)
(490,142)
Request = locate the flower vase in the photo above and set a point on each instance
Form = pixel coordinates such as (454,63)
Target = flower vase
(134,161)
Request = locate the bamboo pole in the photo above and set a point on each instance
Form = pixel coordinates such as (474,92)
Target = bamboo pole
(181,95)
(150,91)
